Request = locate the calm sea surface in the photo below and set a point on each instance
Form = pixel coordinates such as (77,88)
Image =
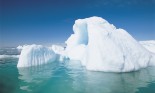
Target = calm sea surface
(71,77)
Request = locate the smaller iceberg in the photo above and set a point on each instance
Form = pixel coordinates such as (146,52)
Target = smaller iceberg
(32,55)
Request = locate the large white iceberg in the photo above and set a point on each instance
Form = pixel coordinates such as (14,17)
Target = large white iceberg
(106,48)
(32,55)
(149,45)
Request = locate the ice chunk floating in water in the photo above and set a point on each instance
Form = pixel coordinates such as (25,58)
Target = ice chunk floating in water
(32,55)
(106,48)
(99,45)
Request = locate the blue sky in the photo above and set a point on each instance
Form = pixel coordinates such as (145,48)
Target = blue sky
(50,21)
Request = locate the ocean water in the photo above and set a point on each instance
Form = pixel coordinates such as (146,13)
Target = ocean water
(71,77)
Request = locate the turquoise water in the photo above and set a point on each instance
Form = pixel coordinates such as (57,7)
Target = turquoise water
(71,77)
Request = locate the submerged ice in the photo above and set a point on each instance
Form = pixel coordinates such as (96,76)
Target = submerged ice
(99,45)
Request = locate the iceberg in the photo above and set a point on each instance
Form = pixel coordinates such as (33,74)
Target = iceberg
(32,55)
(100,46)
(149,45)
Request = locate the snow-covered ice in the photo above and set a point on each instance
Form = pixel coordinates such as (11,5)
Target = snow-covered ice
(32,55)
(149,45)
(106,48)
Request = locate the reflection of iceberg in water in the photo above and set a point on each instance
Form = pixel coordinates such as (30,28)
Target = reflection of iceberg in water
(32,76)
(118,82)
(90,82)
(71,77)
